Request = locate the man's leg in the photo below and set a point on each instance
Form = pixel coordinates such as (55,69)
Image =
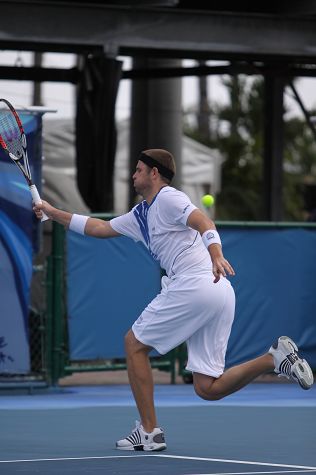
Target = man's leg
(233,379)
(141,380)
(283,357)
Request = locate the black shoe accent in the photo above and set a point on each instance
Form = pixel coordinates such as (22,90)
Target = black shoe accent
(138,448)
(159,438)
(275,344)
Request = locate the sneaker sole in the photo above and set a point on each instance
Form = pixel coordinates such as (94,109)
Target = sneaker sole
(155,448)
(144,448)
(300,369)
(303,373)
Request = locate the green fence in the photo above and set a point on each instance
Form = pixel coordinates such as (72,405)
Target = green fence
(58,363)
(49,330)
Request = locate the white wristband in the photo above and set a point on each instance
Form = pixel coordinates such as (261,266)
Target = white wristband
(78,223)
(211,236)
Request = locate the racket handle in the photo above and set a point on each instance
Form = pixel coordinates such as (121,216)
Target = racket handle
(37,200)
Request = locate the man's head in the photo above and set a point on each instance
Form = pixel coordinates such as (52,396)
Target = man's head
(155,168)
(162,160)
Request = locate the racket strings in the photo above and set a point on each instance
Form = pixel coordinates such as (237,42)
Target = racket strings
(10,133)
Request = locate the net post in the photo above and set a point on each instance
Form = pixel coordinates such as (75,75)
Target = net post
(58,241)
(48,321)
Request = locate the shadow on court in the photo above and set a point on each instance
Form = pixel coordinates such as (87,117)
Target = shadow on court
(265,428)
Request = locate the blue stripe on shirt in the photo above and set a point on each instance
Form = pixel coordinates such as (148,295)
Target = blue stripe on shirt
(140,213)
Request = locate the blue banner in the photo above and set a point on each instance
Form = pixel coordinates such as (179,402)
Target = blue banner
(275,289)
(110,282)
(17,238)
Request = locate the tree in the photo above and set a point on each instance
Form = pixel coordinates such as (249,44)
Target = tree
(238,135)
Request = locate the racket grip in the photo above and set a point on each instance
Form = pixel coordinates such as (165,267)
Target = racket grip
(37,200)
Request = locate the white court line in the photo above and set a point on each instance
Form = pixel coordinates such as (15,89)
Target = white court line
(255,473)
(181,457)
(65,459)
(245,462)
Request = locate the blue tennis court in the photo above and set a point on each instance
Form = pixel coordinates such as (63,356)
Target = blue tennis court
(264,428)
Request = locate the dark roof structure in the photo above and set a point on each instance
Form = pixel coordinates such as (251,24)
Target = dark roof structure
(276,39)
(184,28)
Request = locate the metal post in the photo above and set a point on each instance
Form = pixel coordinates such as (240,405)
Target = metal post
(273,148)
(58,302)
(37,86)
(48,321)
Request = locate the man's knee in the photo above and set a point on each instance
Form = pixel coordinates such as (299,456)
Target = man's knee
(128,339)
(132,345)
(130,342)
(204,387)
(207,393)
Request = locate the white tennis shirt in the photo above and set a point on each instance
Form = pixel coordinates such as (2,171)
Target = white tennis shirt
(161,227)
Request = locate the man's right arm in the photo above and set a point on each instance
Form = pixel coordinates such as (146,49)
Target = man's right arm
(93,227)
(99,228)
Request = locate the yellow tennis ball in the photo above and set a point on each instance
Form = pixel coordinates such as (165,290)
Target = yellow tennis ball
(207,201)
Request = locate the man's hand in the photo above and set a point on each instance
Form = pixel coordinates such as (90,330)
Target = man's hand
(45,207)
(62,217)
(220,265)
(199,221)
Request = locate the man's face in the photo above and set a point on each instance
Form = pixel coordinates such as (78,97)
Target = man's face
(141,178)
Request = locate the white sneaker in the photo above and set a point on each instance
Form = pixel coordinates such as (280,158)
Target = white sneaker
(289,364)
(141,440)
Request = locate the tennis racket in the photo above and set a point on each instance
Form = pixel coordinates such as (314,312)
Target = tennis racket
(13,142)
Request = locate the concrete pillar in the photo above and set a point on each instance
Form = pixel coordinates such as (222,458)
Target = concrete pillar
(156,115)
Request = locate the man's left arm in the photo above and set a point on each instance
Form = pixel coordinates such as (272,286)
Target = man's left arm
(206,227)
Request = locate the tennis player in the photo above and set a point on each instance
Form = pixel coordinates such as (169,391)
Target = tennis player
(196,304)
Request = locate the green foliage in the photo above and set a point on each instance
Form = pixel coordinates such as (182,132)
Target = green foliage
(238,135)
(237,132)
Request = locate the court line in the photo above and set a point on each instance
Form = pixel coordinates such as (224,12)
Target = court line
(255,473)
(181,457)
(65,459)
(245,462)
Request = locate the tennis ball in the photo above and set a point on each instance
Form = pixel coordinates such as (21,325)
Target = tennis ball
(207,201)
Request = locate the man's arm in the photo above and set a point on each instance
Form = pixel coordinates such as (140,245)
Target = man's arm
(202,223)
(93,226)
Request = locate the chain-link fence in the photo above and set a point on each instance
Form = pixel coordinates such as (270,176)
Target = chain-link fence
(37,346)
(36,326)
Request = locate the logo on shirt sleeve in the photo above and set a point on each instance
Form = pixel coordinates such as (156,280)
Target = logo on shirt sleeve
(187,206)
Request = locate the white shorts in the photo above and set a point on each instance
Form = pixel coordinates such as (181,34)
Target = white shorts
(194,310)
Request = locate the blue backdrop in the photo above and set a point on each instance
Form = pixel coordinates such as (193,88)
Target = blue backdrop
(111,281)
(18,236)
(275,289)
